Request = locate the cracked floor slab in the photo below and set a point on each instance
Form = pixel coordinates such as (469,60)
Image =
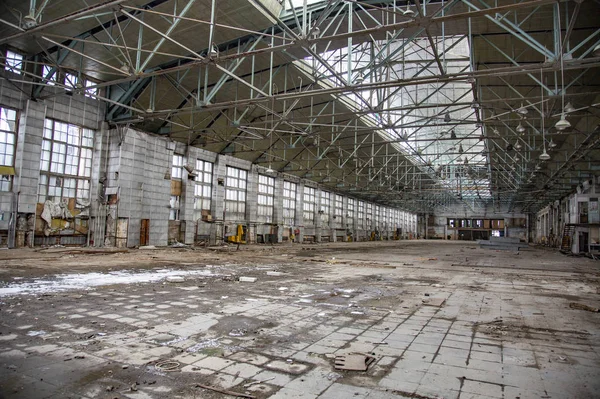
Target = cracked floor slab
(504,330)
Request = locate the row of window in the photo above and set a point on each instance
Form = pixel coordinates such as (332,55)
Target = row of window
(13,62)
(235,199)
(66,169)
(476,223)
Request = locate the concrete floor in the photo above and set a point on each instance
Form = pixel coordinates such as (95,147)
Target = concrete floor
(121,326)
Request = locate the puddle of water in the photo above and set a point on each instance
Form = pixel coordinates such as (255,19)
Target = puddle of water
(84,281)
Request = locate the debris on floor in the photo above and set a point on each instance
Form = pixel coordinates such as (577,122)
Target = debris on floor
(437,302)
(354,361)
(581,306)
(247,279)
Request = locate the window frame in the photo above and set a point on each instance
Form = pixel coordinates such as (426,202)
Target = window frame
(266,198)
(309,205)
(14,62)
(8,145)
(290,191)
(236,189)
(58,170)
(203,186)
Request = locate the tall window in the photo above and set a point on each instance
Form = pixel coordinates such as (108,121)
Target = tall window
(308,206)
(325,207)
(235,193)
(66,164)
(90,91)
(338,210)
(13,62)
(203,188)
(8,138)
(176,174)
(351,210)
(377,216)
(71,80)
(177,167)
(360,216)
(289,203)
(266,192)
(369,216)
(49,76)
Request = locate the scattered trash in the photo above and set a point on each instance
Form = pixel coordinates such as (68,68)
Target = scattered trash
(354,361)
(275,274)
(247,279)
(175,279)
(580,306)
(36,333)
(248,385)
(230,393)
(283,288)
(334,376)
(437,302)
(147,247)
(178,244)
(238,332)
(167,365)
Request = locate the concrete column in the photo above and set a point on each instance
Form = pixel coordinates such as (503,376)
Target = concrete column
(217,207)
(300,212)
(318,220)
(278,207)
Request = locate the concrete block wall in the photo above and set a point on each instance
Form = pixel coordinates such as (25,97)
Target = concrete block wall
(76,109)
(137,165)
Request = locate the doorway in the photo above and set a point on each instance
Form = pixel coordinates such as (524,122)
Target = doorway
(144,232)
(583,242)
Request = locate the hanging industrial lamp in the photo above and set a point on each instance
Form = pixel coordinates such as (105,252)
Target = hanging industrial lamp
(447,117)
(569,108)
(522,110)
(517,145)
(562,124)
(408,12)
(521,128)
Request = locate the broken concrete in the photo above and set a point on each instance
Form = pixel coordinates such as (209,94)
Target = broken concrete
(505,330)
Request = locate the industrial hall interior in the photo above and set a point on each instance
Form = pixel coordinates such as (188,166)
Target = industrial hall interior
(332,199)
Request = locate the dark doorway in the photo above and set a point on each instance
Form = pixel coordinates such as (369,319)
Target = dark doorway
(583,242)
(145,232)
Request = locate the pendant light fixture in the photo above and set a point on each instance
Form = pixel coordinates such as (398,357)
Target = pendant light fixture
(544,155)
(569,108)
(562,124)
(447,117)
(520,128)
(517,145)
(551,144)
(522,110)
(408,12)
